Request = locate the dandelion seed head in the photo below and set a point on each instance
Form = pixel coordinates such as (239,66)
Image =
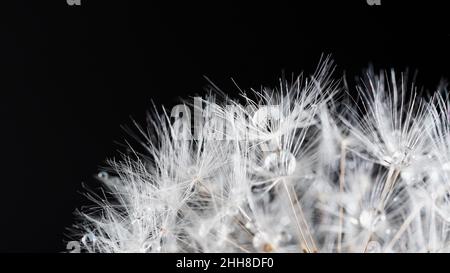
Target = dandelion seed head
(297,169)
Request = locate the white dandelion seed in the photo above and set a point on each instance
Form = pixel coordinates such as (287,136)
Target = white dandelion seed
(297,169)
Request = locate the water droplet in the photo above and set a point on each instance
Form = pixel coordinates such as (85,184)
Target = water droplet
(151,246)
(373,247)
(354,221)
(103,175)
(446,166)
(249,225)
(409,175)
(88,238)
(280,163)
(372,219)
(397,156)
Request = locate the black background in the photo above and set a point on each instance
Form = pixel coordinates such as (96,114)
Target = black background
(72,75)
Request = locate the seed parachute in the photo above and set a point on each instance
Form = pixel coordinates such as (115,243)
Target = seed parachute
(310,166)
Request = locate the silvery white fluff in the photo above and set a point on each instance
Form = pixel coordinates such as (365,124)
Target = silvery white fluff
(300,168)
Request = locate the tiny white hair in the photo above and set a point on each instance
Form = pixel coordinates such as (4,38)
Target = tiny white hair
(316,172)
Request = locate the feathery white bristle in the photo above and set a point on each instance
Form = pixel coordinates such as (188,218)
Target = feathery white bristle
(295,170)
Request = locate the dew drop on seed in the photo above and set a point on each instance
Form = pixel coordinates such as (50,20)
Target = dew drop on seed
(280,163)
(249,225)
(354,221)
(371,219)
(88,238)
(152,247)
(103,175)
(446,166)
(408,175)
(373,247)
(398,157)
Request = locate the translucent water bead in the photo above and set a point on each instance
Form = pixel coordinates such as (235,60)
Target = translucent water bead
(446,166)
(89,238)
(372,219)
(103,175)
(373,247)
(152,246)
(280,163)
(396,158)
